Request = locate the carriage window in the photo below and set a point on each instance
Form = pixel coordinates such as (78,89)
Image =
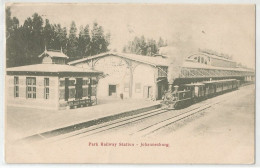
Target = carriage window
(202,59)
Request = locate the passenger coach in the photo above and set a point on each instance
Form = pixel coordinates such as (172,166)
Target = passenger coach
(194,92)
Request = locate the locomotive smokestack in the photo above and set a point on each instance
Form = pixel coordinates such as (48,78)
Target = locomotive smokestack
(178,49)
(176,60)
(176,88)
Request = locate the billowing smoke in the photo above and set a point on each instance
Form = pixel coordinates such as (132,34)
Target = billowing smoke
(177,51)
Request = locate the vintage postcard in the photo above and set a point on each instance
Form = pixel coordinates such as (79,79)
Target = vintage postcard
(130,83)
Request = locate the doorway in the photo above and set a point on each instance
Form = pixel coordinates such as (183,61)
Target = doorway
(66,89)
(160,92)
(148,92)
(78,87)
(112,90)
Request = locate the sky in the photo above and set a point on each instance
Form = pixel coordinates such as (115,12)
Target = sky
(228,29)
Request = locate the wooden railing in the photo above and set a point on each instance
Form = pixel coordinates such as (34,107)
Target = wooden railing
(82,102)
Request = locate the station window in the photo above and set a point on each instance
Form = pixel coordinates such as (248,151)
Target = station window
(16,86)
(138,87)
(126,87)
(31,87)
(46,88)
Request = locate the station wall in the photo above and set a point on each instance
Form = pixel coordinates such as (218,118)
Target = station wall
(18,94)
(117,78)
(144,83)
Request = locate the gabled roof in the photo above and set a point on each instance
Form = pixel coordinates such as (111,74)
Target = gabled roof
(52,54)
(150,60)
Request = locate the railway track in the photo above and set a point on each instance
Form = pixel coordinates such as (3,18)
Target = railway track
(178,115)
(93,130)
(164,123)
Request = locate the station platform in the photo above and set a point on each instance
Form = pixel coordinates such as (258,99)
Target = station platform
(22,122)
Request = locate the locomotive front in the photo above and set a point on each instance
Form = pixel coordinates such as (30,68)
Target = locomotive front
(170,98)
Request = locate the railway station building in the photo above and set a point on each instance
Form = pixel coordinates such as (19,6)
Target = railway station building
(52,84)
(146,77)
(128,75)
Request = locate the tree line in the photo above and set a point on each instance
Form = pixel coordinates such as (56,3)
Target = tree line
(144,46)
(26,41)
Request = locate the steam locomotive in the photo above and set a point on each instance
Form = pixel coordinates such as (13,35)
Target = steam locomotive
(187,94)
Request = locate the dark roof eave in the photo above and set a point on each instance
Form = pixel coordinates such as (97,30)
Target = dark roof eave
(53,73)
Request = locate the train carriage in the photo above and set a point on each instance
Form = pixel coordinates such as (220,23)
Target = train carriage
(210,88)
(197,90)
(194,92)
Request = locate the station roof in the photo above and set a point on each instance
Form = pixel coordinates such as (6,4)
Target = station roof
(194,84)
(154,61)
(50,69)
(219,81)
(211,56)
(54,54)
(195,65)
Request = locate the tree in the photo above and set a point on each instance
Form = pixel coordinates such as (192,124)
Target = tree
(32,38)
(9,37)
(152,48)
(60,38)
(99,42)
(48,34)
(72,41)
(161,43)
(143,46)
(84,41)
(24,43)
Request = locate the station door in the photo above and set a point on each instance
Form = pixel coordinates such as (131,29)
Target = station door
(112,90)
(148,91)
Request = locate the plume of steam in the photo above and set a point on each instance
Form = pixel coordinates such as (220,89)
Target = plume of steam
(176,52)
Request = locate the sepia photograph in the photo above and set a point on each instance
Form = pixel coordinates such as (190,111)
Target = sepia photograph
(130,83)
